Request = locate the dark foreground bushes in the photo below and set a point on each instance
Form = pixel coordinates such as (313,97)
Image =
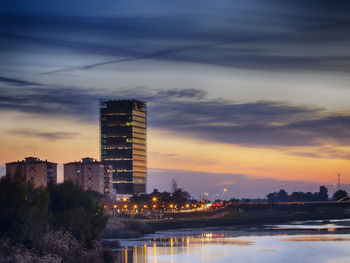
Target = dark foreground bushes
(61,223)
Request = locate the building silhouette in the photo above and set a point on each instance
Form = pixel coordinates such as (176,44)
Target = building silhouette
(34,170)
(123,144)
(89,174)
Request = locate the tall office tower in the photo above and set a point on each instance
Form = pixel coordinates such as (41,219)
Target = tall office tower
(34,170)
(123,144)
(89,174)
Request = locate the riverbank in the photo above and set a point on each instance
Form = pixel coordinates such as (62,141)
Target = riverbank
(120,228)
(245,219)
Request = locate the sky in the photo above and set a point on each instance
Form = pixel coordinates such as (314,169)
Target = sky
(251,96)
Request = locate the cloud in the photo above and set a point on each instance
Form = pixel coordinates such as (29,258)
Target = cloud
(18,82)
(232,53)
(266,35)
(49,100)
(261,123)
(191,113)
(52,136)
(323,152)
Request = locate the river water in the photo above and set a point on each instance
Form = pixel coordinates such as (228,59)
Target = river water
(315,242)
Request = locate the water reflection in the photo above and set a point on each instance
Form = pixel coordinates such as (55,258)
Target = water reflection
(222,245)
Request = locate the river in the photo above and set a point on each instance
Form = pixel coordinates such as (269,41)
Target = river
(311,241)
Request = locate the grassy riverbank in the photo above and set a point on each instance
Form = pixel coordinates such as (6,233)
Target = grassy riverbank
(244,219)
(132,228)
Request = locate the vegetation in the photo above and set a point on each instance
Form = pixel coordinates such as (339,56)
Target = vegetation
(162,201)
(24,213)
(341,195)
(56,224)
(282,196)
(76,211)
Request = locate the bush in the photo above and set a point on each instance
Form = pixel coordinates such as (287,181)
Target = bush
(76,211)
(24,210)
(10,253)
(73,215)
(62,244)
(340,195)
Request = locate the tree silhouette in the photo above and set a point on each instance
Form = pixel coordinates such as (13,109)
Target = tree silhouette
(76,211)
(323,194)
(24,210)
(341,195)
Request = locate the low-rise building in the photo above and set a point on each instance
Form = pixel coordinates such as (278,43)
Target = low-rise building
(34,170)
(89,174)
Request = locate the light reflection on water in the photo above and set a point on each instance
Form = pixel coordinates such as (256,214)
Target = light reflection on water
(220,246)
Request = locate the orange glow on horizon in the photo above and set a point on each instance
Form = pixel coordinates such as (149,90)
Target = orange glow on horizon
(169,151)
(178,152)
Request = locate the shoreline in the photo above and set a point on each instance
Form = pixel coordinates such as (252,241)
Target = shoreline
(136,228)
(241,221)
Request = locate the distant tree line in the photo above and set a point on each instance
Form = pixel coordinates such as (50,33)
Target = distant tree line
(176,200)
(283,196)
(320,196)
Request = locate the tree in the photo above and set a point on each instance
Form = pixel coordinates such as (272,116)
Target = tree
(282,196)
(173,185)
(76,211)
(24,213)
(309,197)
(272,197)
(180,197)
(340,195)
(297,197)
(323,194)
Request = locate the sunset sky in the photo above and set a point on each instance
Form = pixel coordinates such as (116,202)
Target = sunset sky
(252,96)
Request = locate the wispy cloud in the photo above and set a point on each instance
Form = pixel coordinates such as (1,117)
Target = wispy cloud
(18,82)
(257,123)
(190,112)
(266,35)
(52,136)
(323,152)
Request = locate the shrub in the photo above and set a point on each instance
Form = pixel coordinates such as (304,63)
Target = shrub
(62,244)
(76,211)
(24,210)
(10,253)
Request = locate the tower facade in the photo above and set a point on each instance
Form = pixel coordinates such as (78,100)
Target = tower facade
(123,138)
